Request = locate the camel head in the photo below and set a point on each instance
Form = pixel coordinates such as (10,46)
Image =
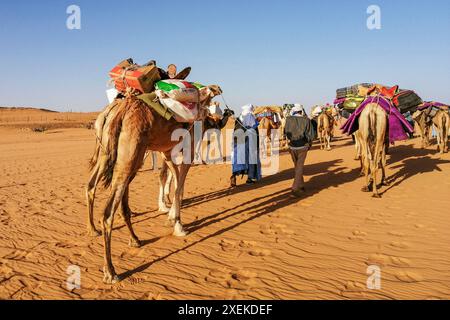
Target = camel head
(208,93)
(228,113)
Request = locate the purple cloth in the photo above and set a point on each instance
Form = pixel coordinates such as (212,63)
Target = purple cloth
(429,104)
(398,125)
(339,101)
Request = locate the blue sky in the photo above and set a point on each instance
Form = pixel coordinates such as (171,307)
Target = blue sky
(260,52)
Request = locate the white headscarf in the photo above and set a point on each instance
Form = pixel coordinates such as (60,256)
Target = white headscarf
(247,118)
(298,110)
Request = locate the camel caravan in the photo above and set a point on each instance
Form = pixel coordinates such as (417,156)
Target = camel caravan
(153,110)
(379,118)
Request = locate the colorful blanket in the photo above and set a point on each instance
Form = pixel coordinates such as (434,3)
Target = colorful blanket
(429,104)
(398,125)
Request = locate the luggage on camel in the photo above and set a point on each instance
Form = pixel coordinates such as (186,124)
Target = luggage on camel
(347,91)
(180,97)
(170,98)
(152,101)
(350,98)
(430,109)
(129,76)
(272,112)
(407,100)
(399,127)
(179,90)
(355,90)
(435,104)
(351,103)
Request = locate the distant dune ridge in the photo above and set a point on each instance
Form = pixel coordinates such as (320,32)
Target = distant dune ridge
(44,119)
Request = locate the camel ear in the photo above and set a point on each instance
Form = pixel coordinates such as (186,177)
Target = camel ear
(215,90)
(183,74)
(205,93)
(209,92)
(163,74)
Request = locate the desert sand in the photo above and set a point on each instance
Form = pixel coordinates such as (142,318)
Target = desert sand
(245,243)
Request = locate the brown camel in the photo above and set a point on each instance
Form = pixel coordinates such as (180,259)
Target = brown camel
(265,127)
(130,129)
(325,127)
(166,176)
(372,131)
(441,120)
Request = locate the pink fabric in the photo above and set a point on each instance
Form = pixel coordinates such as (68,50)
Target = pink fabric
(398,125)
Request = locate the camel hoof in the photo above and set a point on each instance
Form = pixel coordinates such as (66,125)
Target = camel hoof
(164,209)
(376,196)
(110,278)
(169,223)
(365,189)
(93,233)
(134,243)
(179,231)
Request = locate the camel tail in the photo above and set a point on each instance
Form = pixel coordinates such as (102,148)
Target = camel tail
(372,133)
(99,127)
(445,126)
(110,149)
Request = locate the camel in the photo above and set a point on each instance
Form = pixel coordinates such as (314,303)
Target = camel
(283,140)
(266,125)
(325,127)
(129,129)
(441,120)
(373,125)
(166,176)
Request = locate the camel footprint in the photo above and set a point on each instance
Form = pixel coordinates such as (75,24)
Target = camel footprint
(5,218)
(383,260)
(408,276)
(228,245)
(358,235)
(276,229)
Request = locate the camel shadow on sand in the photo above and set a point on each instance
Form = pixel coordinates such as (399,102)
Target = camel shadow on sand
(413,166)
(284,175)
(323,179)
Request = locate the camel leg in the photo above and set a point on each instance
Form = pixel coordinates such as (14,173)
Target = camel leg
(126,214)
(383,169)
(127,164)
(439,139)
(366,169)
(365,163)
(445,132)
(320,140)
(168,186)
(184,170)
(174,213)
(328,142)
(90,196)
(374,174)
(117,192)
(163,177)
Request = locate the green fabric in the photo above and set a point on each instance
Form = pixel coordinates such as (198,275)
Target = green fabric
(165,86)
(197,85)
(352,103)
(149,99)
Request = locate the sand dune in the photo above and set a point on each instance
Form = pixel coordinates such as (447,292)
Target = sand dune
(246,243)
